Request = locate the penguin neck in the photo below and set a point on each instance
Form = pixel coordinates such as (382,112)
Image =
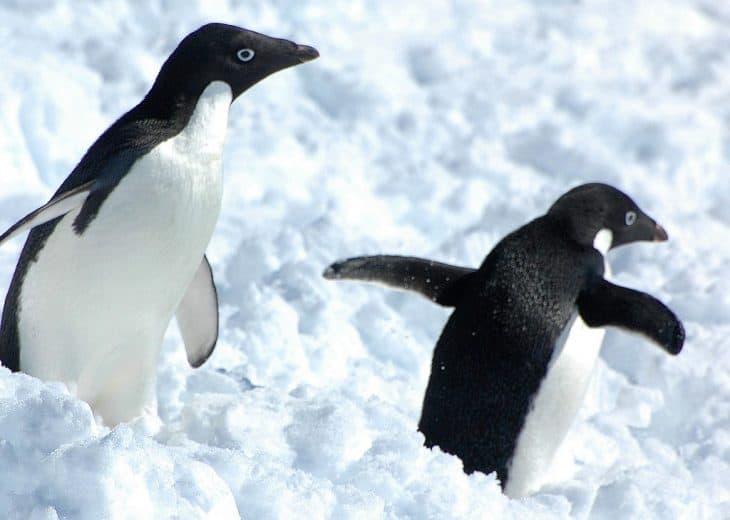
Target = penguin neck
(206,108)
(174,99)
(583,228)
(208,121)
(603,241)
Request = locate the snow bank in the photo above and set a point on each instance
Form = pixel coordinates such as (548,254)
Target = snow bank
(427,131)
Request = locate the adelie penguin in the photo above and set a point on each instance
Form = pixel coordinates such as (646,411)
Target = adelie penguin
(120,247)
(512,364)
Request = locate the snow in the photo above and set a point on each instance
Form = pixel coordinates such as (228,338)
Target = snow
(425,131)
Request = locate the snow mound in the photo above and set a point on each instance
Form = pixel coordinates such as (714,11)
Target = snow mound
(430,132)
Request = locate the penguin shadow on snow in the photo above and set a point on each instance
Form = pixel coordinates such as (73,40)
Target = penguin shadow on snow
(120,247)
(514,360)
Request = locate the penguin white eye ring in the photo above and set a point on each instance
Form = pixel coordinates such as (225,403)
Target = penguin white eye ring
(630,218)
(245,55)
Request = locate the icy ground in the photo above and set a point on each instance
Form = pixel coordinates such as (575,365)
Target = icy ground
(426,128)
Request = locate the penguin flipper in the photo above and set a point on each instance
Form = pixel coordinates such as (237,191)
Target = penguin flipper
(54,208)
(440,283)
(603,303)
(197,316)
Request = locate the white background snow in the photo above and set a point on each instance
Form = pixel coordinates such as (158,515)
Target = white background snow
(426,128)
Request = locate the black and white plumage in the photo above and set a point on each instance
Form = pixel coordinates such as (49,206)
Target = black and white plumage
(119,248)
(513,362)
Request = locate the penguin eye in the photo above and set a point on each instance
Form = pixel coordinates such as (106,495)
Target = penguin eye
(245,54)
(630,217)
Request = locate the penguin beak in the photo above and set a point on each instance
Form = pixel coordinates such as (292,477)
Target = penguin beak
(305,53)
(660,235)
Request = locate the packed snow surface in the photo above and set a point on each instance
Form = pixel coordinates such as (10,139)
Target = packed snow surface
(428,129)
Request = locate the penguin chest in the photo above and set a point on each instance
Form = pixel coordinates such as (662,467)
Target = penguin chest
(554,406)
(98,303)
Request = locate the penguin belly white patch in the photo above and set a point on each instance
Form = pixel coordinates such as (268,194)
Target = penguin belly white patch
(555,406)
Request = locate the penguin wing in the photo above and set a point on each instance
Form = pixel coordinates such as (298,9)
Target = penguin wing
(56,207)
(440,283)
(197,316)
(603,303)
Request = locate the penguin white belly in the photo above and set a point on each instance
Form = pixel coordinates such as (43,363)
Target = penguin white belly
(554,407)
(94,307)
(558,398)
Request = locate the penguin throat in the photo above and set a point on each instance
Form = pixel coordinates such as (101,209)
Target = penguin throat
(175,105)
(205,131)
(603,241)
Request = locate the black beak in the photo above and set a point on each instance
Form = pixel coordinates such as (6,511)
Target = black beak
(305,53)
(660,235)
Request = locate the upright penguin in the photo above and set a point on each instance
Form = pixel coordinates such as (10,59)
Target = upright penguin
(512,364)
(119,248)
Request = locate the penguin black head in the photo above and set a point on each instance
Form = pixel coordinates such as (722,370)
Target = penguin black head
(590,208)
(220,52)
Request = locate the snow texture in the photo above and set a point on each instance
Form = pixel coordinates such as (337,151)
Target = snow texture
(430,130)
